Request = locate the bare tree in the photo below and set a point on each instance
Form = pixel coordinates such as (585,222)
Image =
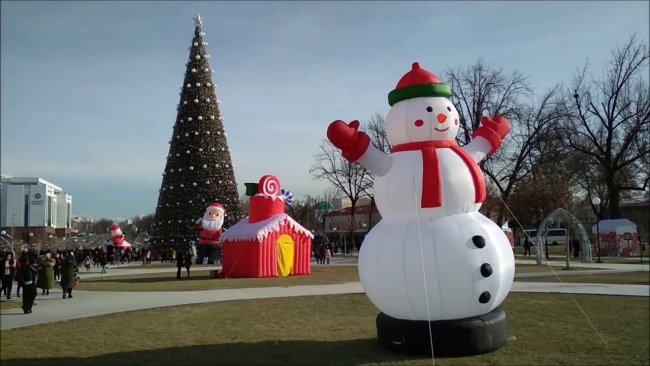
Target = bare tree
(610,123)
(101,226)
(376,128)
(324,203)
(303,212)
(143,223)
(480,91)
(351,179)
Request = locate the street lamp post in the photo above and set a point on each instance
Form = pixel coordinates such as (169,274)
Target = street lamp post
(596,202)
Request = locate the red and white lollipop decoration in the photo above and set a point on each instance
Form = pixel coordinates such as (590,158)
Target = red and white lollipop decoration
(269,185)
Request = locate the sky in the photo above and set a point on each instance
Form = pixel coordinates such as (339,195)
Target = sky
(89,89)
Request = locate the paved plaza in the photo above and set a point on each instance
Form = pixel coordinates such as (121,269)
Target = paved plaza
(53,308)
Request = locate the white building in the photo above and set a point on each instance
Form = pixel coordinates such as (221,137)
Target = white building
(34,206)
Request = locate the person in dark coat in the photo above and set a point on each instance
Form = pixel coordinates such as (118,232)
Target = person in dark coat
(103,262)
(57,267)
(576,248)
(179,264)
(68,275)
(527,245)
(19,272)
(29,284)
(46,274)
(188,263)
(8,272)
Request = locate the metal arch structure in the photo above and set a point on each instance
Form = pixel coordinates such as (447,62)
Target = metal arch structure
(563,215)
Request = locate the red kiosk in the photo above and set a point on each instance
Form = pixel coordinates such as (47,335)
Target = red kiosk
(268,242)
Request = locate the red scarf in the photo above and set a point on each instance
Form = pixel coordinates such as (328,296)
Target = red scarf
(431,189)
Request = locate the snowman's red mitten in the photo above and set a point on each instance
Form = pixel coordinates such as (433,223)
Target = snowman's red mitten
(493,130)
(353,143)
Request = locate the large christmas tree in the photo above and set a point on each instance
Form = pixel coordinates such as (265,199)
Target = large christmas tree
(199,170)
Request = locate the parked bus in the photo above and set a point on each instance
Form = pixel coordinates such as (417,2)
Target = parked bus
(554,236)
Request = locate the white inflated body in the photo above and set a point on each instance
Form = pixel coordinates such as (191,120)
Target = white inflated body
(411,245)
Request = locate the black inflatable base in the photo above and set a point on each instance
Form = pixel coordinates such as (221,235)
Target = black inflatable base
(451,338)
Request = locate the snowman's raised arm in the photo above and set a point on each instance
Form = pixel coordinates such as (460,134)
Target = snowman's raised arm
(376,161)
(478,148)
(355,146)
(487,138)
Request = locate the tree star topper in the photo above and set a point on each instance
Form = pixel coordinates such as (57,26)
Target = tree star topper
(197,20)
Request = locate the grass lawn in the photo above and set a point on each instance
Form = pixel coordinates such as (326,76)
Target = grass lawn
(200,280)
(624,260)
(534,268)
(629,278)
(339,330)
(10,304)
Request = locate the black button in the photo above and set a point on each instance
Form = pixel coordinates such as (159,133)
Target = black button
(486,270)
(478,241)
(485,297)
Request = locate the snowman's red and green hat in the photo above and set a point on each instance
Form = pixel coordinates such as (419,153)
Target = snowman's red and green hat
(418,83)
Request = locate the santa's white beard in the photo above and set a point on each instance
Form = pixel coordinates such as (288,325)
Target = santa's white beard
(116,233)
(211,224)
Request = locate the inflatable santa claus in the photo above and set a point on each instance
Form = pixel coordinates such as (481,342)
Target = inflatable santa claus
(117,238)
(210,225)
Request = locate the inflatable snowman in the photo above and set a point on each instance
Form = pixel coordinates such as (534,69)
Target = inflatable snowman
(433,257)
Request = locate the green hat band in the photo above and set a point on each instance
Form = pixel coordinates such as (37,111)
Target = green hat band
(419,90)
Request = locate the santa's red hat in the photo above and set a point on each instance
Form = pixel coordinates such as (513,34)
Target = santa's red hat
(115,227)
(418,83)
(218,206)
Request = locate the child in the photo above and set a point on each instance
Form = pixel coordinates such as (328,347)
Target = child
(87,263)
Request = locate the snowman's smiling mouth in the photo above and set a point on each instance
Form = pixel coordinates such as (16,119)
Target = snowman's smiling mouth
(443,130)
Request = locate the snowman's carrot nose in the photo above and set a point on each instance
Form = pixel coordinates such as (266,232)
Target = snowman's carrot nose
(442,117)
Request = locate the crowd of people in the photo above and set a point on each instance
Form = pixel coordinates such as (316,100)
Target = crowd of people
(33,271)
(323,253)
(43,270)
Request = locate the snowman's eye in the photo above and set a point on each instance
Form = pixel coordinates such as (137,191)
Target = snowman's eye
(429,109)
(449,108)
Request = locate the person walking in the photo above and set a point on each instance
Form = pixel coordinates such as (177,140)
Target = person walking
(576,248)
(22,260)
(29,284)
(322,253)
(179,264)
(188,263)
(57,267)
(328,254)
(87,263)
(8,272)
(45,279)
(68,275)
(103,262)
(527,245)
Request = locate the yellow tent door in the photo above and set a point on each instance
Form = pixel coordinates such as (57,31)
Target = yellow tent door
(285,255)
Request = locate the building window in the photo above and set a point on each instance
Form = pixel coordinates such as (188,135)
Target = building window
(67,216)
(26,213)
(49,210)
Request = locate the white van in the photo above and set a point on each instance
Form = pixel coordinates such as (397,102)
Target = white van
(554,236)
